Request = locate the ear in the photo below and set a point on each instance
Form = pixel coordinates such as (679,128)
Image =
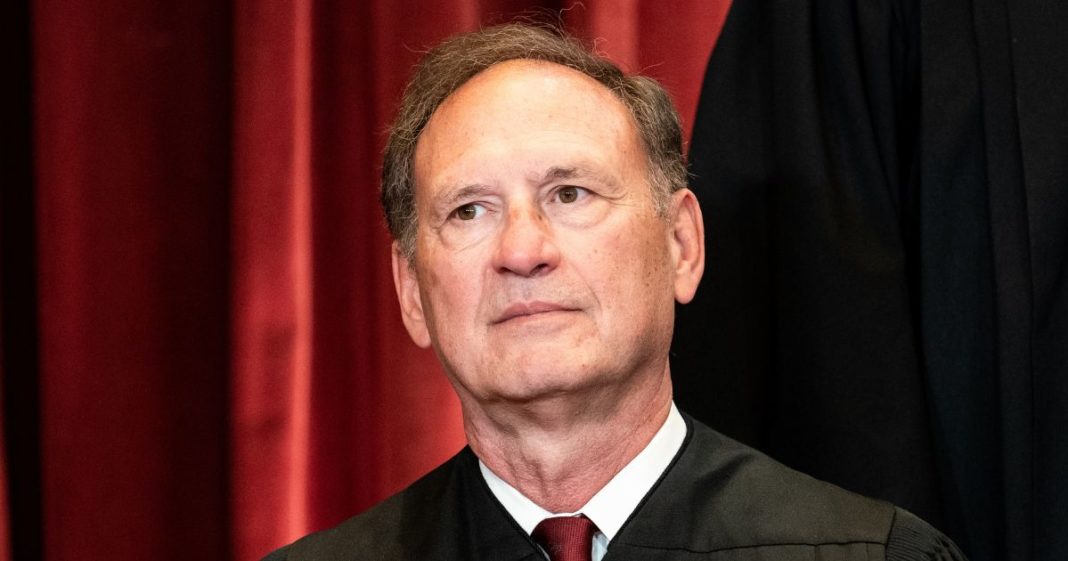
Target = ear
(411,303)
(687,244)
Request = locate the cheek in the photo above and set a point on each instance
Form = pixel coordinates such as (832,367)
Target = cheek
(647,265)
(449,291)
(627,267)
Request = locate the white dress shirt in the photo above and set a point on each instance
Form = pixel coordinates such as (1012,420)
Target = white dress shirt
(615,502)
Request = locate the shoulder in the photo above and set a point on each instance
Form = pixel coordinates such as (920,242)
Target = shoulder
(393,529)
(737,499)
(791,507)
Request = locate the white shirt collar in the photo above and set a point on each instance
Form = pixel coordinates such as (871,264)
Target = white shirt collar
(615,502)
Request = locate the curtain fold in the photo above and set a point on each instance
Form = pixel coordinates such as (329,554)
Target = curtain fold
(131,163)
(222,363)
(272,284)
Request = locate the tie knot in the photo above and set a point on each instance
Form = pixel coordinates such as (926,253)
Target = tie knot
(566,538)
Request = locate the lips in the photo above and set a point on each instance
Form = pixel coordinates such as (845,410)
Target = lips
(525,309)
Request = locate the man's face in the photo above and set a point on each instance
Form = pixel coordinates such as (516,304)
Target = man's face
(541,265)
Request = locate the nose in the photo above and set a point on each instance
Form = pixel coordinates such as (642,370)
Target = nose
(526,244)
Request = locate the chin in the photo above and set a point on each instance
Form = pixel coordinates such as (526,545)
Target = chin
(526,385)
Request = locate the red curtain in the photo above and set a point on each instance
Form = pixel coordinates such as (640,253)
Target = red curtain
(221,363)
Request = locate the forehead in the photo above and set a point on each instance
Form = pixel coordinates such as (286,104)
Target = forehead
(509,104)
(533,85)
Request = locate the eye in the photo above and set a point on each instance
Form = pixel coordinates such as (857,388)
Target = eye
(570,193)
(470,211)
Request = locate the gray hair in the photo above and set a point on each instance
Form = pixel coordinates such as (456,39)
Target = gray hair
(452,63)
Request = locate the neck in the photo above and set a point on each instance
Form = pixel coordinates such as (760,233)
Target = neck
(560,450)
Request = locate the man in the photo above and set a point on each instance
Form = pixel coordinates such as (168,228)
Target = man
(543,234)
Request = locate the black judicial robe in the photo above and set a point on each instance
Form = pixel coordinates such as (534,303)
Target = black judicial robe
(717,500)
(885,307)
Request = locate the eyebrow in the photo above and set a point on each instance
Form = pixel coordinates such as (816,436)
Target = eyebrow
(558,173)
(561,173)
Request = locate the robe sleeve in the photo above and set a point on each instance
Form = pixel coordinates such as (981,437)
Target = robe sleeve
(912,539)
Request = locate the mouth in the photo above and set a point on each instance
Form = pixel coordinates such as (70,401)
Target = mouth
(522,310)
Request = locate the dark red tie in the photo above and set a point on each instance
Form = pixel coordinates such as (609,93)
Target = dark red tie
(566,538)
